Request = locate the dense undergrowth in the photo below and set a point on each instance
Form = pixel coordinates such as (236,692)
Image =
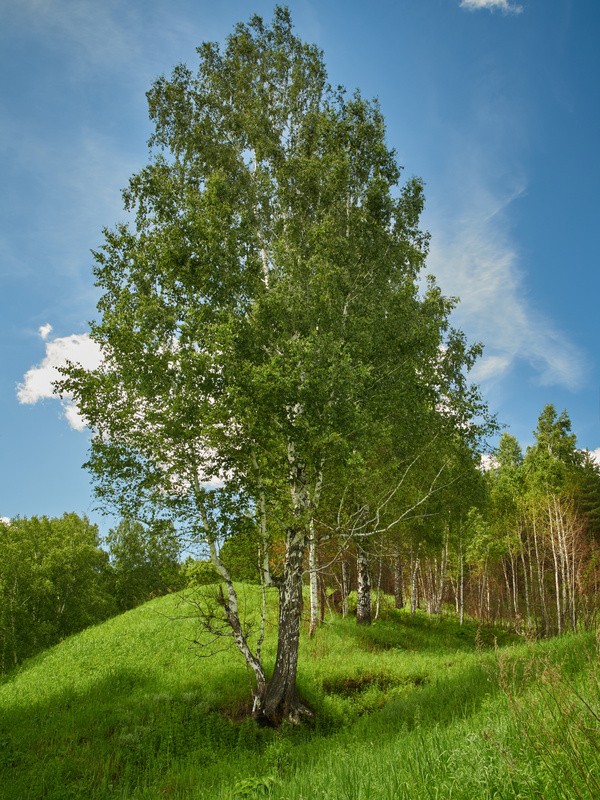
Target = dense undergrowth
(409,707)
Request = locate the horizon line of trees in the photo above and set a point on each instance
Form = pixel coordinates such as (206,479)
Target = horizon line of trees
(57,577)
(516,545)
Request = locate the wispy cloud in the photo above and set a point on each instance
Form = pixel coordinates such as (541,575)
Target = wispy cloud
(103,33)
(38,382)
(76,190)
(475,259)
(502,5)
(475,250)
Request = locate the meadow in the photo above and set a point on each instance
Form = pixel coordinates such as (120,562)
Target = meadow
(410,707)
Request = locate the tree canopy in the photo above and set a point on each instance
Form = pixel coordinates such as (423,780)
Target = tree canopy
(54,581)
(268,342)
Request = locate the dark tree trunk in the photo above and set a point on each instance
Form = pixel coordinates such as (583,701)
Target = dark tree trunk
(345,586)
(322,598)
(363,599)
(398,579)
(279,699)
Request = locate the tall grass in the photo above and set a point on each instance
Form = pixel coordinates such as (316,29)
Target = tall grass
(407,708)
(558,719)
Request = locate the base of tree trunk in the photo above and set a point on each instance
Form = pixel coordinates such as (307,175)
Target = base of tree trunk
(292,711)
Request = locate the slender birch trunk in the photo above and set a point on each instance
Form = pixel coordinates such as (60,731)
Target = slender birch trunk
(509,592)
(553,545)
(461,588)
(313,581)
(540,579)
(313,565)
(229,604)
(526,589)
(363,600)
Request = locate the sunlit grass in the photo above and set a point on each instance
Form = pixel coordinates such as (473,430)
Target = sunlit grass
(410,707)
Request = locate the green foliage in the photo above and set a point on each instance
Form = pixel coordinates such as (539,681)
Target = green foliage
(240,556)
(253,787)
(144,560)
(552,460)
(587,495)
(54,581)
(199,573)
(482,541)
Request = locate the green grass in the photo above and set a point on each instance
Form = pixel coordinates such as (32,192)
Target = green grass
(407,708)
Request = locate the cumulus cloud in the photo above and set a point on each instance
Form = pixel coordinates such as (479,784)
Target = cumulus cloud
(502,5)
(38,382)
(45,330)
(5,520)
(595,455)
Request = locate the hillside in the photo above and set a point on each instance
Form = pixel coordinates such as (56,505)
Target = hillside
(407,708)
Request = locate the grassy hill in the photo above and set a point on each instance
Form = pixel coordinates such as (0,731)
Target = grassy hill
(408,708)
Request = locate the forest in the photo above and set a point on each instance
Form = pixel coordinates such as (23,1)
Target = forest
(315,499)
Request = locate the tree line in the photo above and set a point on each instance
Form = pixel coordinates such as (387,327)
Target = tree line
(57,577)
(516,543)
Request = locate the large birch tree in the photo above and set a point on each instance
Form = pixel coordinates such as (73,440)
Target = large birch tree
(262,320)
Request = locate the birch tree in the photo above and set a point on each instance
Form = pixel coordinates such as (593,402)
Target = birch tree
(260,315)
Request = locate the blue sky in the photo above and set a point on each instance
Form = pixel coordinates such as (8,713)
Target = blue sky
(494,103)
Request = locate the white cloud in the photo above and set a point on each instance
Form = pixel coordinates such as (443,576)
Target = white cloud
(5,520)
(502,5)
(595,455)
(491,367)
(45,330)
(473,257)
(487,462)
(475,254)
(38,381)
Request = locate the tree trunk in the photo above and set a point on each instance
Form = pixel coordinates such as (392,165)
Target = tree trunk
(279,699)
(509,597)
(526,588)
(345,587)
(461,588)
(363,600)
(398,594)
(545,628)
(515,584)
(414,588)
(557,587)
(323,601)
(314,588)
(378,594)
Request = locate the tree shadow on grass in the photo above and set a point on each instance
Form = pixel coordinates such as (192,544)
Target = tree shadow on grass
(444,635)
(100,742)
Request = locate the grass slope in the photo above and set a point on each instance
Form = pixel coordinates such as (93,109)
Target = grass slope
(408,708)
